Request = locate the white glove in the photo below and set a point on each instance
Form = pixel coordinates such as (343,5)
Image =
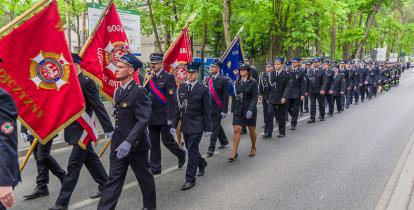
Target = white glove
(173,131)
(223,115)
(109,135)
(249,114)
(169,122)
(207,134)
(24,136)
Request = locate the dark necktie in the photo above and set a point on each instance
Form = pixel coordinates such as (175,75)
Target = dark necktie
(189,87)
(121,92)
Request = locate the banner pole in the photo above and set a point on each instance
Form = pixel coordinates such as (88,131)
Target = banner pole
(29,152)
(23,16)
(88,41)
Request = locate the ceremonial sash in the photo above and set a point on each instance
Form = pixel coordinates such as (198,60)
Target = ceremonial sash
(157,92)
(214,93)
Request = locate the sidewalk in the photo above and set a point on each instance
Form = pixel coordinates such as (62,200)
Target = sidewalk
(398,193)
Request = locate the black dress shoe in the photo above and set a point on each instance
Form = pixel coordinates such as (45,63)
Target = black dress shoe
(223,145)
(145,208)
(280,135)
(37,193)
(292,128)
(330,114)
(264,136)
(58,207)
(154,172)
(187,185)
(311,121)
(210,154)
(322,119)
(181,161)
(201,171)
(97,195)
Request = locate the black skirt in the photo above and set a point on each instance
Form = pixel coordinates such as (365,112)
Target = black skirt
(243,121)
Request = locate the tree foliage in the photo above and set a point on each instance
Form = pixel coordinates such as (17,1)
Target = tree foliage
(329,28)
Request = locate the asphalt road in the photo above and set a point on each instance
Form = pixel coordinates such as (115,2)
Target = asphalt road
(341,163)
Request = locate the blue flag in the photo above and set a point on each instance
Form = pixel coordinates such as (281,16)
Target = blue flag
(230,62)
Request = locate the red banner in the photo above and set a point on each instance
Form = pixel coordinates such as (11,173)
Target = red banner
(179,52)
(107,45)
(38,72)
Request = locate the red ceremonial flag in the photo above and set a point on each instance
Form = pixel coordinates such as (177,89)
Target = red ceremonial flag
(107,45)
(38,71)
(179,52)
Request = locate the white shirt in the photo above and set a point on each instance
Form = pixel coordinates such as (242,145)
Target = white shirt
(159,72)
(214,76)
(126,85)
(192,84)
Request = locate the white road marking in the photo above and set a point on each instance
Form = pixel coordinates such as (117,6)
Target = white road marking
(128,186)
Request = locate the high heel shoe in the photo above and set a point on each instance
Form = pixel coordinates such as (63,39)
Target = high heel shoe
(252,153)
(232,159)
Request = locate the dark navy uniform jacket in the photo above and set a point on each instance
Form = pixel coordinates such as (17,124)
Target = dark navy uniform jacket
(317,80)
(264,86)
(278,82)
(221,86)
(9,164)
(338,84)
(132,115)
(245,98)
(296,84)
(161,113)
(92,105)
(195,113)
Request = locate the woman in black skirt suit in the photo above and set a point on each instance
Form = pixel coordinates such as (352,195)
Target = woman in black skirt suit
(244,109)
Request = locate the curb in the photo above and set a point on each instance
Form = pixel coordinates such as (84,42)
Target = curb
(399,188)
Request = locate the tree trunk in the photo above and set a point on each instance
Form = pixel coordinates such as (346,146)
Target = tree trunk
(84,27)
(174,8)
(77,26)
(333,38)
(272,31)
(203,47)
(67,11)
(226,21)
(168,30)
(158,47)
(370,21)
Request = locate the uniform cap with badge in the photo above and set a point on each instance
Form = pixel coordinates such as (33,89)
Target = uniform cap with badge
(191,68)
(279,60)
(316,60)
(243,66)
(269,64)
(131,60)
(295,60)
(156,58)
(216,63)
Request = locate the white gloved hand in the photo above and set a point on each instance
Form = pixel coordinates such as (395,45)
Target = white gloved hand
(24,137)
(173,131)
(223,115)
(207,134)
(249,114)
(169,122)
(109,135)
